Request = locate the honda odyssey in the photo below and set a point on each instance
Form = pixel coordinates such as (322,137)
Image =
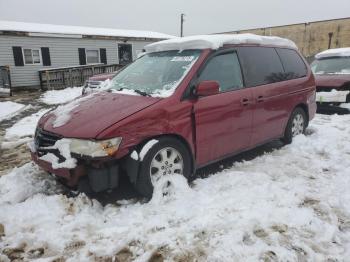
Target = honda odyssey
(186,103)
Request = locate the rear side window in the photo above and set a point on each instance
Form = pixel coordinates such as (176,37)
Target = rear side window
(294,66)
(225,69)
(261,65)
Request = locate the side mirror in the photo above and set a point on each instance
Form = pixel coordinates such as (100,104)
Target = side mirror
(207,88)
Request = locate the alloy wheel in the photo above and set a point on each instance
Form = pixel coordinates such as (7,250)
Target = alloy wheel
(297,125)
(167,161)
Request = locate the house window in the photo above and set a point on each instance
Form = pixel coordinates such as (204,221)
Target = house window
(125,53)
(31,56)
(92,56)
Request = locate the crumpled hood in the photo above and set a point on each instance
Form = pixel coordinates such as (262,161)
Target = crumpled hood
(332,80)
(89,115)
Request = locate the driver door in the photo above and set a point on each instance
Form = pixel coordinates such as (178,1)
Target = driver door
(223,121)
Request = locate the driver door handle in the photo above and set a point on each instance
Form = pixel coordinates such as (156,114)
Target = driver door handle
(260,99)
(245,101)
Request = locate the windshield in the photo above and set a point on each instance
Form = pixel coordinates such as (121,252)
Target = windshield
(333,65)
(157,73)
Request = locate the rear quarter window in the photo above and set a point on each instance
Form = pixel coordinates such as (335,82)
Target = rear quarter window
(294,66)
(261,65)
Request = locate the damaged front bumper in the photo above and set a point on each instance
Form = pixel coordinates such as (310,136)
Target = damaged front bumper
(100,175)
(332,96)
(92,174)
(51,152)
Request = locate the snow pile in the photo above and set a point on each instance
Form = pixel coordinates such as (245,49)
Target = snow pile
(9,109)
(171,188)
(22,131)
(28,180)
(4,90)
(24,127)
(345,105)
(63,146)
(217,41)
(336,52)
(55,97)
(288,205)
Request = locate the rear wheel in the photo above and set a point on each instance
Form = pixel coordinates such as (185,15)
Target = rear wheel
(348,98)
(167,157)
(296,125)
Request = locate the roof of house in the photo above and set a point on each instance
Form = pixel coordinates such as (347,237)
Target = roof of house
(217,41)
(35,29)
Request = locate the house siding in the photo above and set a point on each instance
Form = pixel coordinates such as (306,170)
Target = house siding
(63,52)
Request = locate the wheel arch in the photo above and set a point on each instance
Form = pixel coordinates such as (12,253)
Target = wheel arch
(181,139)
(132,166)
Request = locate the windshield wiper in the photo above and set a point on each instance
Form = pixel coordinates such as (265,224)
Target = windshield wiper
(141,92)
(135,90)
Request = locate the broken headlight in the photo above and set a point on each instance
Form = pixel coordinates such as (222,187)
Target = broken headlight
(95,148)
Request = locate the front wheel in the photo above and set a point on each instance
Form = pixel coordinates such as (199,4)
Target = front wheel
(296,125)
(166,157)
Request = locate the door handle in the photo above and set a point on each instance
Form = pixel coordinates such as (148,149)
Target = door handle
(260,99)
(245,102)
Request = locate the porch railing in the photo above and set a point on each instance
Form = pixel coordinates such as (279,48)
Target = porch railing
(5,80)
(60,78)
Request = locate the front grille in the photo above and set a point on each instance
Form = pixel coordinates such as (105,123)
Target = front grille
(44,139)
(324,89)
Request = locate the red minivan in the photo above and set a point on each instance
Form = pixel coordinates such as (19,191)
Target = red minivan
(332,76)
(185,104)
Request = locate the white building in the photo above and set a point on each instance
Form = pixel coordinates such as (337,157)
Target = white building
(29,47)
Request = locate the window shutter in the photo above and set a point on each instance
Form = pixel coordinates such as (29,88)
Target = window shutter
(18,56)
(103,55)
(45,54)
(82,56)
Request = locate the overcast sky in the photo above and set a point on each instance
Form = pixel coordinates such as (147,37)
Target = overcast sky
(164,15)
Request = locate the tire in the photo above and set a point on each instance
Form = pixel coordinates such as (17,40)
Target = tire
(144,183)
(347,98)
(297,120)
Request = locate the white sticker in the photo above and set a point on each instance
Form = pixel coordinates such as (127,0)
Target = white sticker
(182,59)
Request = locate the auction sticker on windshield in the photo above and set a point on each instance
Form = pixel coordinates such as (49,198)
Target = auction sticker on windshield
(182,59)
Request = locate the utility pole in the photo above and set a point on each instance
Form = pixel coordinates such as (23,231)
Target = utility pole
(182,25)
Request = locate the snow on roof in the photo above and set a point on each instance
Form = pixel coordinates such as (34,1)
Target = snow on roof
(77,30)
(217,41)
(334,52)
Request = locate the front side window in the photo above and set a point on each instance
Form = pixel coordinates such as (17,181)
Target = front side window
(225,69)
(92,56)
(261,65)
(31,56)
(331,65)
(157,73)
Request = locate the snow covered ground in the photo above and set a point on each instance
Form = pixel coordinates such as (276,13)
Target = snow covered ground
(24,127)
(55,97)
(292,204)
(9,109)
(23,130)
